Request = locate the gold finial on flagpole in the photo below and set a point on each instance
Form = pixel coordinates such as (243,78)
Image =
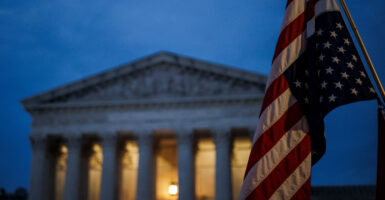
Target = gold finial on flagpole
(363,49)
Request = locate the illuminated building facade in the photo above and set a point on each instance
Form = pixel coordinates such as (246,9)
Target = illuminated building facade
(158,126)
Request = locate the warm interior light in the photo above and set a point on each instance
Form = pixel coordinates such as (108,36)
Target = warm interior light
(173,189)
(63,149)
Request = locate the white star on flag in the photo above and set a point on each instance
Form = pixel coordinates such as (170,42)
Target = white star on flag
(372,90)
(354,57)
(339,26)
(350,65)
(336,60)
(297,84)
(321,57)
(329,70)
(324,83)
(358,81)
(341,49)
(346,41)
(333,34)
(332,98)
(344,75)
(327,45)
(339,85)
(363,74)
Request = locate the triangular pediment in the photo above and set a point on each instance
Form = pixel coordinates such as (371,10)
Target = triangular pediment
(161,76)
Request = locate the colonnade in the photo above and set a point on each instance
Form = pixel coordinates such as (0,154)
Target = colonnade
(145,180)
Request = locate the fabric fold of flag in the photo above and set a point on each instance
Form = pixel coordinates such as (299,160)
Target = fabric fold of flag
(315,69)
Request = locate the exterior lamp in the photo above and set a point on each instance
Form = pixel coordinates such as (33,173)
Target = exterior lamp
(173,189)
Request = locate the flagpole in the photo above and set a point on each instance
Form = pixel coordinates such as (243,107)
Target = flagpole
(363,49)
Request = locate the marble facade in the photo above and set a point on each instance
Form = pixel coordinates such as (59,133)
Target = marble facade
(130,132)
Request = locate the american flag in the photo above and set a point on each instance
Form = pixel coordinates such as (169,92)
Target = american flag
(315,69)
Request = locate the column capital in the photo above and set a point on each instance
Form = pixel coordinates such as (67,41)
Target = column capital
(145,137)
(109,140)
(73,140)
(185,137)
(221,135)
(38,142)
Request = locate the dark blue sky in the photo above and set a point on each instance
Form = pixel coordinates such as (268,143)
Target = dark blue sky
(45,44)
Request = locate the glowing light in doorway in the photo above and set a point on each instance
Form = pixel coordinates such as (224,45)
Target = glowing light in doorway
(173,189)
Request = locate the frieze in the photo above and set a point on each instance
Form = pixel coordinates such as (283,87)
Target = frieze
(162,81)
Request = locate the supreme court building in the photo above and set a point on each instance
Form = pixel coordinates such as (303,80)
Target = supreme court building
(142,129)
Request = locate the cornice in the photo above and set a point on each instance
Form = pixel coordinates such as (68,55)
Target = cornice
(149,103)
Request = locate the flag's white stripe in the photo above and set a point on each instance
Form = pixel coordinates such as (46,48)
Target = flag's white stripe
(295,181)
(326,6)
(293,10)
(271,159)
(287,57)
(274,112)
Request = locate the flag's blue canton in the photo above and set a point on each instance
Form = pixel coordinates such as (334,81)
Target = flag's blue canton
(329,73)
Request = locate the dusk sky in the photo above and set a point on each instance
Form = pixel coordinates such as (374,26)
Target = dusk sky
(45,44)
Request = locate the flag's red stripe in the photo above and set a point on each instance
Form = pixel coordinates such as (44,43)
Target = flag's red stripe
(272,135)
(284,169)
(310,11)
(289,34)
(304,193)
(276,88)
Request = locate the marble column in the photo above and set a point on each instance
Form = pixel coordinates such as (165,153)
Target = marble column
(109,173)
(38,167)
(72,181)
(223,187)
(186,172)
(145,186)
